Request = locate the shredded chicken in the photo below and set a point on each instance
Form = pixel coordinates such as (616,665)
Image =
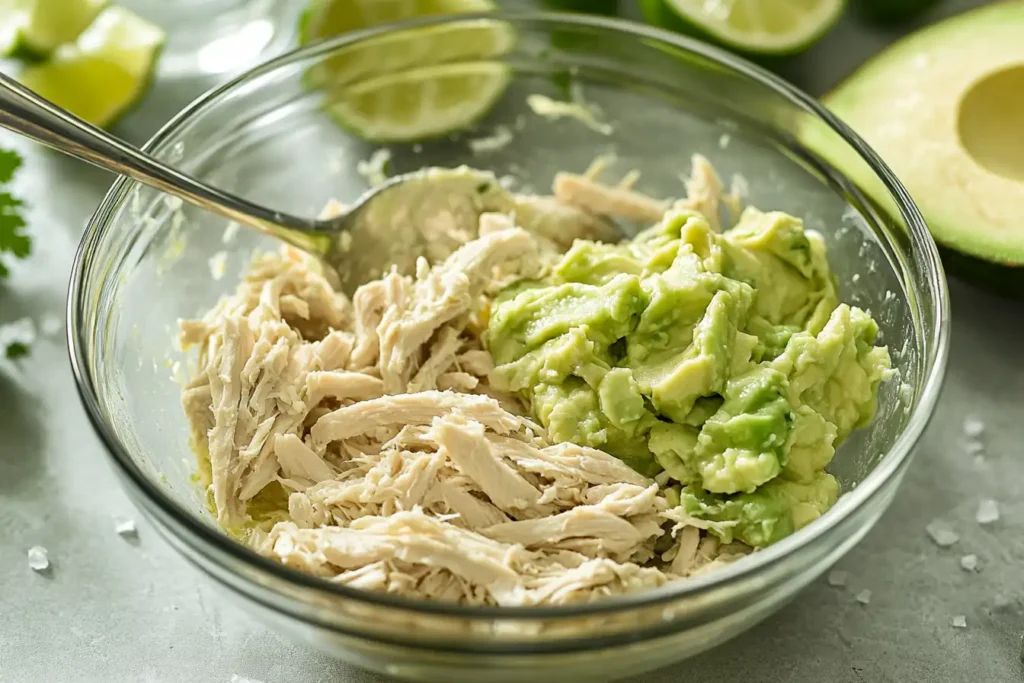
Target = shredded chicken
(360,440)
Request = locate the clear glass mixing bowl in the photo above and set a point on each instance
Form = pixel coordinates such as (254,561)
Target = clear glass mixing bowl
(144,263)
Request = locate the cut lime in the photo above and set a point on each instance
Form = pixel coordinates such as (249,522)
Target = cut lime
(35,28)
(767,27)
(421,103)
(99,76)
(410,84)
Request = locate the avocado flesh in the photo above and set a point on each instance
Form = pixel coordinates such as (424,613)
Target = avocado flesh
(941,109)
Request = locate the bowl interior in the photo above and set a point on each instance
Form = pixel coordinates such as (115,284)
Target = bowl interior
(149,261)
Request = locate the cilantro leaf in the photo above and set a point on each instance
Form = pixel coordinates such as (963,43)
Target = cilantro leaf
(13,240)
(16,350)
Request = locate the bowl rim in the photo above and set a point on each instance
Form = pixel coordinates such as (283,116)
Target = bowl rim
(196,533)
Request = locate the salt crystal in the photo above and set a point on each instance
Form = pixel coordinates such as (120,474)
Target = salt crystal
(864,597)
(126,528)
(974,447)
(969,562)
(959,621)
(973,427)
(988,512)
(38,558)
(837,578)
(724,140)
(942,534)
(51,326)
(218,264)
(230,230)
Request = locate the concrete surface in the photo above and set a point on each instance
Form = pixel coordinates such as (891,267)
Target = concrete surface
(113,611)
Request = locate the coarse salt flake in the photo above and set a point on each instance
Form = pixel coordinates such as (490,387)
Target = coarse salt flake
(837,578)
(988,512)
(959,621)
(973,427)
(942,534)
(864,597)
(38,558)
(969,563)
(126,528)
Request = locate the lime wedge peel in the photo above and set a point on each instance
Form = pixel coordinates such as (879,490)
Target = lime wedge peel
(421,103)
(104,72)
(35,28)
(752,26)
(412,84)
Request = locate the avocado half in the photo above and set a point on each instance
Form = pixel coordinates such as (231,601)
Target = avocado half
(944,108)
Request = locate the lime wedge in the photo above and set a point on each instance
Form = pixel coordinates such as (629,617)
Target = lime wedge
(105,71)
(767,27)
(421,103)
(35,28)
(409,84)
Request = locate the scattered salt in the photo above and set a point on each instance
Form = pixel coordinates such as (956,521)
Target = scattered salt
(942,534)
(51,326)
(988,512)
(973,427)
(230,230)
(959,621)
(969,563)
(126,528)
(724,140)
(38,558)
(837,578)
(218,264)
(974,447)
(864,597)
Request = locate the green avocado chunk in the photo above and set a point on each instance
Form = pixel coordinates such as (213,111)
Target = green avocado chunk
(762,517)
(723,359)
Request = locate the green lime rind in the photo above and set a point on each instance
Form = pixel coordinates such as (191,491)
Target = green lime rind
(665,14)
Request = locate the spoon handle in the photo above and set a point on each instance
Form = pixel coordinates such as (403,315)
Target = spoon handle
(26,113)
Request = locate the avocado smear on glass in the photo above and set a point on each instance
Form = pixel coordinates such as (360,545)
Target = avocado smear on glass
(725,360)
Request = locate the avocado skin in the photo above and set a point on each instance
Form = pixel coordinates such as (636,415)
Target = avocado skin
(1002,279)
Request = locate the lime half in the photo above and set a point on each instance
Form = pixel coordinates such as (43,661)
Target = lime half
(104,72)
(414,83)
(766,27)
(35,28)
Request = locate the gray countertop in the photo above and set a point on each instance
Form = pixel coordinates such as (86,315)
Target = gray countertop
(112,610)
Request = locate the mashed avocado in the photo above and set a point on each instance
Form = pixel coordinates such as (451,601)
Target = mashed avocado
(725,360)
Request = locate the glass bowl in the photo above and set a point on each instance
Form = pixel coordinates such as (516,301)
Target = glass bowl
(145,262)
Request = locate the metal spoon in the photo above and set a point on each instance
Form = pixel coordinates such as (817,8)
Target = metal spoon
(418,214)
